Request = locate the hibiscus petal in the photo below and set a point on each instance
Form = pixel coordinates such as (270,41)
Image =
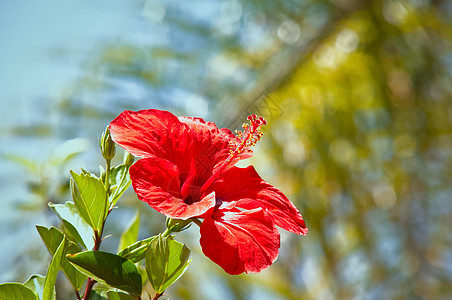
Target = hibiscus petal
(153,132)
(240,241)
(156,181)
(245,183)
(211,144)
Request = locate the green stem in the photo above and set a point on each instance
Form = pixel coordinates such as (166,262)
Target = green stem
(197,221)
(167,232)
(107,177)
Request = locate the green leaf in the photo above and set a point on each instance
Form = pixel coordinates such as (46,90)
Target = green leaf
(96,296)
(102,289)
(16,291)
(36,283)
(114,295)
(49,285)
(119,182)
(144,275)
(116,174)
(166,261)
(130,235)
(84,239)
(52,237)
(90,198)
(109,269)
(76,228)
(136,251)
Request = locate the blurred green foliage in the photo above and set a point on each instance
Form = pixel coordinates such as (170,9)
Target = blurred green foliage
(358,95)
(366,142)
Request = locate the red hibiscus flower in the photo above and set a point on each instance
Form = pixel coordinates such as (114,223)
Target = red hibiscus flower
(187,171)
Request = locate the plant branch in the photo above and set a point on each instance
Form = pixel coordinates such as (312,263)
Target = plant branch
(89,287)
(91,282)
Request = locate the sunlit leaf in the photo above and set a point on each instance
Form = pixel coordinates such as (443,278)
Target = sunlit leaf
(73,234)
(36,283)
(119,182)
(109,269)
(77,229)
(116,173)
(166,261)
(102,289)
(52,237)
(144,275)
(16,291)
(90,199)
(136,251)
(52,272)
(130,235)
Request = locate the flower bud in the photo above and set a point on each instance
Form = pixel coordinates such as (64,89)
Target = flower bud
(128,159)
(177,225)
(107,146)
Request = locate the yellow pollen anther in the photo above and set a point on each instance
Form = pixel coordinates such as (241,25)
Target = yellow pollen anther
(247,138)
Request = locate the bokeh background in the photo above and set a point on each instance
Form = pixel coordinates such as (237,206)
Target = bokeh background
(358,95)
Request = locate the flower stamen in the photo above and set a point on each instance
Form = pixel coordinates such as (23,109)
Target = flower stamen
(247,138)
